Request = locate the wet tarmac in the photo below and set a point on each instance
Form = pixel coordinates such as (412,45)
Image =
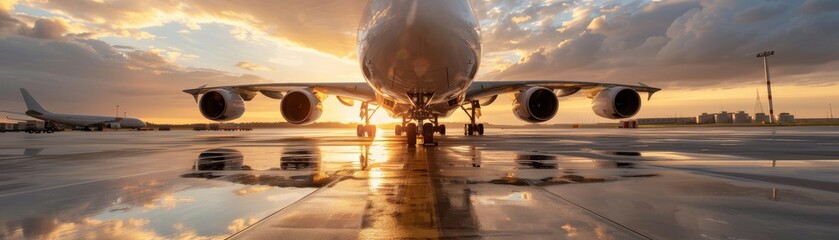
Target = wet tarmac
(681,183)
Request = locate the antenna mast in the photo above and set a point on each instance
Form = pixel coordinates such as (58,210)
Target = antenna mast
(765,56)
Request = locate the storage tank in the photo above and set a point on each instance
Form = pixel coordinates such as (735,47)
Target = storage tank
(786,118)
(761,118)
(742,117)
(723,117)
(705,118)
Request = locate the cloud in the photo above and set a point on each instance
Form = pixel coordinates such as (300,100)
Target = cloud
(689,43)
(634,40)
(819,6)
(42,28)
(6,19)
(57,65)
(253,67)
(324,25)
(672,44)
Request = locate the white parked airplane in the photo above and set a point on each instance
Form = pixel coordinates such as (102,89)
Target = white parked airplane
(35,110)
(419,58)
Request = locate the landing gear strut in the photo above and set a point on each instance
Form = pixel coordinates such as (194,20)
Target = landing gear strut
(366,130)
(420,113)
(473,128)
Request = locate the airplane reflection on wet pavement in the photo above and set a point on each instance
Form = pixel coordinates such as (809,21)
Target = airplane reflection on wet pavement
(534,185)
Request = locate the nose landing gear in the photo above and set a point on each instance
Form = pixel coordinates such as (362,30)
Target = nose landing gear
(425,130)
(420,113)
(413,132)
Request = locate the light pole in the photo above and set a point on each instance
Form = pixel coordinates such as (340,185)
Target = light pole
(765,56)
(117,111)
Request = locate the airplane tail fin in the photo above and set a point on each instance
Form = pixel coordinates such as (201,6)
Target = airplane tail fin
(31,103)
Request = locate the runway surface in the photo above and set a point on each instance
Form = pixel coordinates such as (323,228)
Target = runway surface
(678,183)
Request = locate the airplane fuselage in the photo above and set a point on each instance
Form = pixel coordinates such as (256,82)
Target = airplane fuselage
(88,121)
(35,110)
(419,53)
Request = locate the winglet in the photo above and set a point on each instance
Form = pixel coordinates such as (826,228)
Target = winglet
(650,90)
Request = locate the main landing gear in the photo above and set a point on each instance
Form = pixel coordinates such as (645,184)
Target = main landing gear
(366,130)
(473,128)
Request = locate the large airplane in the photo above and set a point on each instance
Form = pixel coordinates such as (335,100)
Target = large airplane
(419,59)
(35,110)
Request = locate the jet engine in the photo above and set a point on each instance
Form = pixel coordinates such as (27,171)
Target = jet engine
(616,103)
(301,107)
(114,125)
(535,104)
(220,159)
(221,105)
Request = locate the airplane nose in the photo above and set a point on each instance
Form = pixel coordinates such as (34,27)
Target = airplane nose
(424,46)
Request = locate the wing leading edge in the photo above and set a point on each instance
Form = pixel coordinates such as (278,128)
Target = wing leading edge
(487,89)
(353,90)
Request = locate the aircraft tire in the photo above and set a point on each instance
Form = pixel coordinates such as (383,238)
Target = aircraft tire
(370,130)
(411,134)
(428,133)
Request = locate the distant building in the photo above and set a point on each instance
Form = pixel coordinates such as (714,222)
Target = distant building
(723,117)
(816,120)
(742,117)
(28,125)
(786,118)
(705,118)
(674,120)
(761,118)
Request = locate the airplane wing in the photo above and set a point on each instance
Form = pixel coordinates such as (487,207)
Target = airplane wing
(16,113)
(353,90)
(17,119)
(487,89)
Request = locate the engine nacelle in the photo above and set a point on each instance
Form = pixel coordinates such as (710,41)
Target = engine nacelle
(114,125)
(535,105)
(616,103)
(301,107)
(220,159)
(221,105)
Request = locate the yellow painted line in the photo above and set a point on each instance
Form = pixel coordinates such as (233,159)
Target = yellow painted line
(405,206)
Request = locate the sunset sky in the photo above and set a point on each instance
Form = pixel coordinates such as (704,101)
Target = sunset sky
(86,56)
